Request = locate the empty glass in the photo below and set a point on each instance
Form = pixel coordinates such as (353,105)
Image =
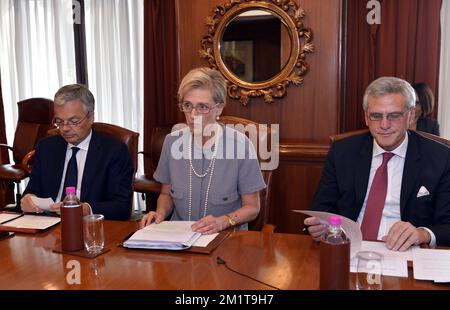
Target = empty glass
(369,271)
(94,238)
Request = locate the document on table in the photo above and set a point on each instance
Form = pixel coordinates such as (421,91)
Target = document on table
(430,264)
(5,217)
(168,235)
(204,240)
(33,222)
(394,263)
(351,228)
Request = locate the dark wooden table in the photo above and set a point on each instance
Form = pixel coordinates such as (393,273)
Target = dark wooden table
(286,261)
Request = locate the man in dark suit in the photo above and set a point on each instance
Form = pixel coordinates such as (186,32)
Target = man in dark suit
(99,167)
(415,196)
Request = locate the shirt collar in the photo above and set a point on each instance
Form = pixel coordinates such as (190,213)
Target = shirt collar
(83,145)
(399,150)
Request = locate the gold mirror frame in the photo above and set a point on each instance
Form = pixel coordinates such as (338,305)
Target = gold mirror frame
(295,68)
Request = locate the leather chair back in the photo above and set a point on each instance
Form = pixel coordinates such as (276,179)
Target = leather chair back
(129,137)
(265,214)
(35,119)
(158,135)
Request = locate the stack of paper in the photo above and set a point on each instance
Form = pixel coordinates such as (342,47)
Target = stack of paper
(431,264)
(168,235)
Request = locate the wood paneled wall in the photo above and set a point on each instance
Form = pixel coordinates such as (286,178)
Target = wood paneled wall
(307,116)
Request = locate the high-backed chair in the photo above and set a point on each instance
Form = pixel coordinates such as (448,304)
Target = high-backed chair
(145,184)
(35,119)
(340,136)
(262,220)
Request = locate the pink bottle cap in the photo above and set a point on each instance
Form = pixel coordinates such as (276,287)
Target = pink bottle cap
(70,190)
(335,220)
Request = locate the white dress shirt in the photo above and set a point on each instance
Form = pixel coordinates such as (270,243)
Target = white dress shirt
(391,211)
(81,161)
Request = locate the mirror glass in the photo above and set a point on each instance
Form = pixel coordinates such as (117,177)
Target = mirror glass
(256,45)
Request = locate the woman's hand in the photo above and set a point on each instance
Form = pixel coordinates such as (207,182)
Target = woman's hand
(151,217)
(210,224)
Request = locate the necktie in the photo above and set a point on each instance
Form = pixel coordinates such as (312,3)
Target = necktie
(375,202)
(71,171)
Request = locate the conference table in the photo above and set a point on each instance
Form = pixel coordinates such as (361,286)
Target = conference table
(285,261)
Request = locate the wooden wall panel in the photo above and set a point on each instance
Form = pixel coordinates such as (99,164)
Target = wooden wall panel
(309,113)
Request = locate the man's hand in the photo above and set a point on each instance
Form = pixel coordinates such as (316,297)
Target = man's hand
(27,204)
(316,229)
(402,235)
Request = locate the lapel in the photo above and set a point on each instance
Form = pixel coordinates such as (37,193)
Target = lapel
(60,158)
(92,160)
(411,170)
(362,170)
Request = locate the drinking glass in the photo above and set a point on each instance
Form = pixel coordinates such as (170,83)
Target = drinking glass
(94,237)
(369,270)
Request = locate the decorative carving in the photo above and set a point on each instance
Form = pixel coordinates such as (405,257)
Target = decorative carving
(296,66)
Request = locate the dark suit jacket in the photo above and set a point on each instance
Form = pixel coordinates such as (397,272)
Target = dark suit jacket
(344,181)
(428,125)
(107,175)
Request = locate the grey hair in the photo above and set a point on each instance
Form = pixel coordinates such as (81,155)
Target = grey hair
(390,85)
(74,92)
(201,78)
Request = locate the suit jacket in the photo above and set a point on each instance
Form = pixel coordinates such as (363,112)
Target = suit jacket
(345,178)
(107,176)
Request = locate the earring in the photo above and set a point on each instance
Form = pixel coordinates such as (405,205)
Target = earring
(217,117)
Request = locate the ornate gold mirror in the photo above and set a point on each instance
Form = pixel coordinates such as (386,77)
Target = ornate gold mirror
(259,46)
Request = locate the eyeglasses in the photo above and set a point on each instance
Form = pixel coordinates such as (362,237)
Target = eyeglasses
(392,117)
(73,122)
(200,108)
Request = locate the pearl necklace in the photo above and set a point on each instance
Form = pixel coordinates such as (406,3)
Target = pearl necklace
(199,175)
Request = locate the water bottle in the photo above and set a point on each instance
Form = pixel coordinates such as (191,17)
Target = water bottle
(335,234)
(71,222)
(334,257)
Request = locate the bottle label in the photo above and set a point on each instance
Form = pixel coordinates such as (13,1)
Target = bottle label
(70,206)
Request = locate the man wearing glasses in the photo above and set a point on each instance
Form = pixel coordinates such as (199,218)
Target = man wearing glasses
(99,167)
(395,183)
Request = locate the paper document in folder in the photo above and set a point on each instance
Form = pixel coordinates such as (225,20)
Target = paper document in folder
(168,235)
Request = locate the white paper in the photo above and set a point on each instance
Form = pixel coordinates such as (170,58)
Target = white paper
(394,263)
(33,222)
(169,235)
(204,240)
(351,228)
(430,264)
(42,203)
(5,217)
